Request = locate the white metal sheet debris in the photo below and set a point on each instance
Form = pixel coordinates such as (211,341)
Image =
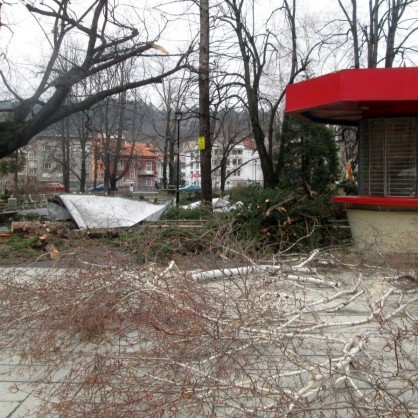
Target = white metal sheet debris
(91,211)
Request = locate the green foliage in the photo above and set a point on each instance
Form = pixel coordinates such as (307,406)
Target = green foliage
(180,213)
(281,218)
(159,244)
(12,164)
(19,245)
(348,186)
(23,242)
(310,157)
(249,219)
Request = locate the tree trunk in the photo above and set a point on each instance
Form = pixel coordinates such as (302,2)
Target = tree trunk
(393,21)
(352,21)
(270,178)
(65,153)
(355,35)
(83,173)
(373,41)
(166,157)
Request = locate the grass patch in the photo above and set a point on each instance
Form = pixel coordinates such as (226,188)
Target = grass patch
(19,245)
(152,244)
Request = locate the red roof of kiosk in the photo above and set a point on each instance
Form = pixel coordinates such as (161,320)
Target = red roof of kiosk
(345,97)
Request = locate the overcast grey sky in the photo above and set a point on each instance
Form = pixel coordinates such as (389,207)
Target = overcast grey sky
(26,39)
(25,42)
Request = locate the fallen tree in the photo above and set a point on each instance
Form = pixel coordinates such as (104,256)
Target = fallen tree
(160,342)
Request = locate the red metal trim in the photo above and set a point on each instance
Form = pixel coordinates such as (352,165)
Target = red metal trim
(351,95)
(376,200)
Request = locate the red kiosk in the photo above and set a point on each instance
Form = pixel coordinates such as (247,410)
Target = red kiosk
(383,104)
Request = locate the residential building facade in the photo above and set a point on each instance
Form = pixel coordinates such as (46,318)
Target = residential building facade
(138,166)
(241,164)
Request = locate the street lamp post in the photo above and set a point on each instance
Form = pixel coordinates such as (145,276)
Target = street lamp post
(178,116)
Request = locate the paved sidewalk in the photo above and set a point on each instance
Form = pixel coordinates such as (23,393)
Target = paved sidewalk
(20,386)
(17,390)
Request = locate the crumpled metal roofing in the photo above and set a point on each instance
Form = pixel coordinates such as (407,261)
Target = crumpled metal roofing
(91,211)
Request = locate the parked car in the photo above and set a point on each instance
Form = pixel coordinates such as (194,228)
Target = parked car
(54,187)
(98,188)
(190,188)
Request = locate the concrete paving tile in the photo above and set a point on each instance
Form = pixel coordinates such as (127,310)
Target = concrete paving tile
(20,373)
(14,391)
(8,408)
(28,408)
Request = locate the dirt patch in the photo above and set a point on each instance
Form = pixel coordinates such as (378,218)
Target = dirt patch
(125,248)
(198,249)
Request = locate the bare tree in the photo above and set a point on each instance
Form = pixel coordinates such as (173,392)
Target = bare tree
(82,123)
(111,140)
(75,130)
(387,33)
(256,51)
(65,152)
(382,35)
(172,97)
(230,129)
(117,123)
(108,40)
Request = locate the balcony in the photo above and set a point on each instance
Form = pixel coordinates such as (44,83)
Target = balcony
(146,172)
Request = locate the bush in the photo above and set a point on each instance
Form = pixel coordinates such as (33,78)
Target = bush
(180,213)
(152,244)
(283,218)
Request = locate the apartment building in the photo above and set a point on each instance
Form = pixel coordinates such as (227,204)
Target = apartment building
(240,161)
(136,165)
(44,160)
(139,166)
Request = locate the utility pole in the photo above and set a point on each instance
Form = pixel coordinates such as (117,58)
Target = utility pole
(204,110)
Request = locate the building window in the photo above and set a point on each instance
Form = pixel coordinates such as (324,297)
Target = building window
(388,153)
(148,182)
(46,165)
(132,173)
(148,166)
(32,171)
(121,165)
(236,162)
